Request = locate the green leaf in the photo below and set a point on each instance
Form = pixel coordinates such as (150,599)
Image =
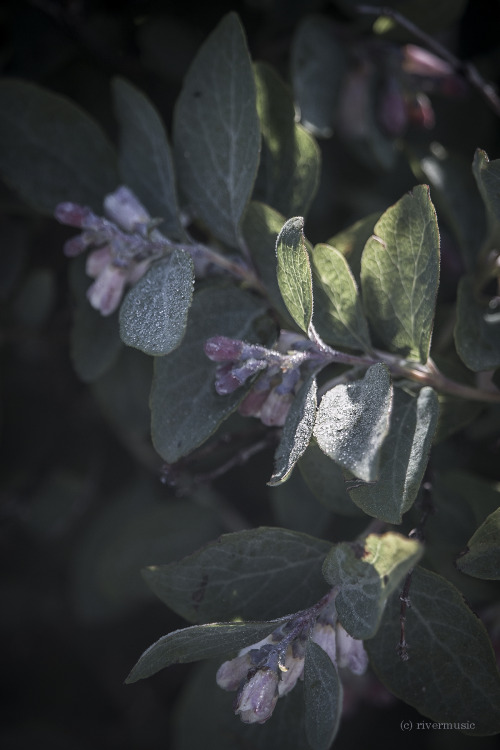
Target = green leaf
(338,313)
(367,572)
(145,158)
(477,330)
(352,240)
(297,432)
(290,159)
(451,675)
(261,227)
(323,697)
(185,408)
(487,174)
(325,479)
(400,275)
(294,272)
(199,642)
(403,458)
(318,68)
(216,131)
(95,340)
(261,573)
(353,420)
(52,151)
(482,557)
(153,315)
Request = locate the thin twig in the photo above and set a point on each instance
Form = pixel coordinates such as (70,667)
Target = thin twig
(467,70)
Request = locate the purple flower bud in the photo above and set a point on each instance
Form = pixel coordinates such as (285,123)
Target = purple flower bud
(223,349)
(275,409)
(294,666)
(225,381)
(107,290)
(76,245)
(253,401)
(72,214)
(324,635)
(231,673)
(257,698)
(289,381)
(248,368)
(97,261)
(350,652)
(125,209)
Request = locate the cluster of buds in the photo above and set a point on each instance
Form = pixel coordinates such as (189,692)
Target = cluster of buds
(272,394)
(125,243)
(267,670)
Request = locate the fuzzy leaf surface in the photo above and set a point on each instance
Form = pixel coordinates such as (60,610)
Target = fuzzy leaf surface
(145,158)
(451,674)
(216,131)
(353,420)
(482,557)
(323,697)
(367,573)
(260,573)
(185,407)
(338,313)
(153,315)
(52,151)
(400,275)
(199,642)
(297,432)
(403,457)
(294,272)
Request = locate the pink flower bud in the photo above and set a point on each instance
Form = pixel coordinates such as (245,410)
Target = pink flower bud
(421,62)
(125,209)
(107,290)
(252,403)
(275,408)
(257,698)
(324,635)
(223,349)
(72,214)
(97,261)
(350,652)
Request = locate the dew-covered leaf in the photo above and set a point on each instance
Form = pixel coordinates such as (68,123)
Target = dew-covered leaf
(353,420)
(185,408)
(400,275)
(403,457)
(260,573)
(145,159)
(338,312)
(153,315)
(297,432)
(482,556)
(477,330)
(367,572)
(52,151)
(294,272)
(289,165)
(199,642)
(323,697)
(451,675)
(216,131)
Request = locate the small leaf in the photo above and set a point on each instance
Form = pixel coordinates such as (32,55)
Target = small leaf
(487,174)
(323,697)
(403,458)
(477,330)
(338,313)
(261,573)
(400,275)
(185,408)
(289,165)
(352,240)
(353,420)
(153,315)
(145,157)
(367,572)
(482,557)
(294,272)
(216,131)
(325,479)
(52,151)
(199,642)
(297,432)
(451,675)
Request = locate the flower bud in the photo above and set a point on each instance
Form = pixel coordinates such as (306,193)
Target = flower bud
(72,214)
(350,652)
(324,635)
(125,209)
(275,409)
(294,668)
(97,261)
(257,698)
(107,290)
(223,349)
(231,673)
(421,62)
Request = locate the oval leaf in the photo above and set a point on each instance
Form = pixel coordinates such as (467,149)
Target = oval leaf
(367,573)
(451,675)
(477,330)
(153,315)
(52,151)
(261,573)
(482,558)
(294,272)
(216,131)
(353,420)
(403,458)
(400,275)
(323,697)
(145,158)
